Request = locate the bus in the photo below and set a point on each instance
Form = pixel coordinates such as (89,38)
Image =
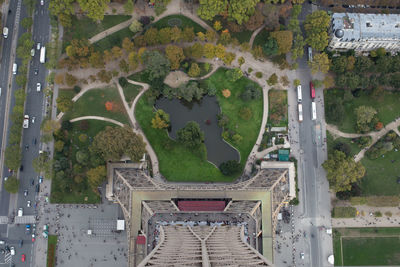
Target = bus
(299,93)
(313,111)
(300,108)
(312,90)
(42,54)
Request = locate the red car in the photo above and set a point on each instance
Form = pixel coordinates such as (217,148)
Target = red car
(312,90)
(33,238)
(23,258)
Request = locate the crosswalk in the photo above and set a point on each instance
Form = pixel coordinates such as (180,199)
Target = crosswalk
(3,220)
(7,258)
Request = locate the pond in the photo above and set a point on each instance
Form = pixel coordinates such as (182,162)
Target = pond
(205,113)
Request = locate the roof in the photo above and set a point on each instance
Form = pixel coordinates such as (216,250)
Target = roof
(283,154)
(141,240)
(357,26)
(121,225)
(187,205)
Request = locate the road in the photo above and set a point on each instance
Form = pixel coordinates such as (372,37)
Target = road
(34,107)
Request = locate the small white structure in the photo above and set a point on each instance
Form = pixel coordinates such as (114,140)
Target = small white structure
(89,232)
(120,225)
(329,231)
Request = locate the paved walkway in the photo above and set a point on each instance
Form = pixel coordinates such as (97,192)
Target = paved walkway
(253,36)
(394,125)
(97,118)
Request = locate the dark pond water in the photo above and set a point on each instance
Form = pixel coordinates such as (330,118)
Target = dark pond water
(205,110)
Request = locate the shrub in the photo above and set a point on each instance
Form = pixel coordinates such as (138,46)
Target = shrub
(245,113)
(226,93)
(77,89)
(272,80)
(378,214)
(388,214)
(249,70)
(229,167)
(344,212)
(259,75)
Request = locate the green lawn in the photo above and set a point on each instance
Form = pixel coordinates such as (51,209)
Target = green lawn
(278,108)
(112,40)
(140,76)
(381,175)
(388,109)
(261,37)
(169,21)
(367,246)
(354,148)
(51,250)
(67,93)
(85,28)
(93,103)
(131,91)
(178,163)
(243,36)
(77,192)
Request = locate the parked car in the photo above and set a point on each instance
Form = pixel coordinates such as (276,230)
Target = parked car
(21,243)
(23,258)
(12,251)
(25,192)
(28,204)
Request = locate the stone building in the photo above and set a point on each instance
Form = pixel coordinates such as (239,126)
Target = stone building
(365,32)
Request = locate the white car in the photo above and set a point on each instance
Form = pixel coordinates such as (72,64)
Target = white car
(38,46)
(32,52)
(5,178)
(41,2)
(12,251)
(33,119)
(38,87)
(28,203)
(20,212)
(302,255)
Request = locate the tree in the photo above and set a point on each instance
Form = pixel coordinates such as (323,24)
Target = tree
(217,25)
(133,60)
(59,145)
(225,38)
(191,135)
(49,126)
(116,52)
(219,51)
(197,50)
(255,21)
(364,115)
(64,103)
(26,22)
(156,64)
(342,171)
(194,70)
(43,163)
(114,142)
(188,34)
(209,50)
(316,26)
(135,26)
(151,36)
(272,80)
(70,79)
(245,113)
(229,167)
(175,55)
(241,10)
(271,14)
(270,48)
(124,66)
(160,120)
(284,40)
(234,74)
(11,185)
(208,9)
(95,9)
(241,61)
(59,78)
(82,157)
(164,35)
(96,60)
(176,34)
(13,156)
(211,35)
(128,7)
(63,9)
(96,176)
(320,63)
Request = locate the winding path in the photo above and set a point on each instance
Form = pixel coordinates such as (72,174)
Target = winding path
(255,33)
(97,118)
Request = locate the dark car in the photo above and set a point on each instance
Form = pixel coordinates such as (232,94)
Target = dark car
(36,71)
(21,243)
(26,147)
(21,168)
(32,181)
(37,188)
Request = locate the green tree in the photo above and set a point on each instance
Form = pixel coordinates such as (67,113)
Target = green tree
(135,26)
(176,34)
(272,80)
(270,48)
(43,163)
(27,22)
(82,157)
(175,56)
(234,74)
(151,36)
(128,7)
(364,115)
(342,171)
(194,70)
(13,156)
(217,25)
(284,40)
(197,50)
(63,9)
(160,120)
(188,34)
(59,145)
(95,9)
(316,26)
(11,185)
(191,135)
(96,176)
(230,167)
(320,63)
(164,35)
(156,64)
(64,103)
(208,9)
(241,10)
(49,126)
(114,142)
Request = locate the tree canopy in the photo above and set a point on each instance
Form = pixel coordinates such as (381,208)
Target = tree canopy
(316,26)
(284,40)
(191,135)
(175,56)
(94,9)
(11,185)
(156,64)
(342,171)
(96,176)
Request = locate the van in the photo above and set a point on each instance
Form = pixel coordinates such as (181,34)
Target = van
(15,68)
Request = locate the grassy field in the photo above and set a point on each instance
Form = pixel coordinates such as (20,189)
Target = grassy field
(243,36)
(85,28)
(366,246)
(278,108)
(51,250)
(112,40)
(178,163)
(78,192)
(261,38)
(184,22)
(67,93)
(93,103)
(381,175)
(354,148)
(131,91)
(388,108)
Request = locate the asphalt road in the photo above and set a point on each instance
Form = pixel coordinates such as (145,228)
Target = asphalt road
(34,108)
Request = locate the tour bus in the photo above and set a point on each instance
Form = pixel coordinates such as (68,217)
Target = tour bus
(313,111)
(299,93)
(42,54)
(300,108)
(312,90)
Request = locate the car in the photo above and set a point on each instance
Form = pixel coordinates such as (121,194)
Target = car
(33,237)
(32,181)
(28,204)
(38,46)
(25,192)
(21,168)
(38,87)
(0,91)
(33,119)
(5,178)
(2,251)
(36,70)
(2,242)
(33,52)
(34,141)
(21,243)
(41,2)
(12,251)
(26,147)
(40,179)
(23,258)
(9,11)
(302,255)
(37,188)
(7,249)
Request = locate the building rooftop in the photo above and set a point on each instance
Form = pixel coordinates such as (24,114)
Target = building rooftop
(356,26)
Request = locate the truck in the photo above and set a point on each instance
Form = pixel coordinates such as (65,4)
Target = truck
(5,32)
(25,125)
(313,111)
(43,54)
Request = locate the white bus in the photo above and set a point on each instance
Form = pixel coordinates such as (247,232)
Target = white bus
(42,54)
(299,93)
(313,111)
(300,108)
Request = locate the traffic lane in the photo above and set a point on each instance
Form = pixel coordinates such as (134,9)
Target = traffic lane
(18,232)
